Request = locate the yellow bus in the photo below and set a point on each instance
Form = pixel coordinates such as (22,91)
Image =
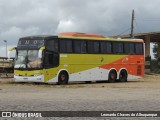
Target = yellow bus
(75,56)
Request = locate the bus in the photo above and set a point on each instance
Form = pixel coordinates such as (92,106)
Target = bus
(73,56)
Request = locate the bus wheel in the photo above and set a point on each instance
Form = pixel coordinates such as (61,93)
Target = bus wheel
(63,78)
(123,76)
(112,76)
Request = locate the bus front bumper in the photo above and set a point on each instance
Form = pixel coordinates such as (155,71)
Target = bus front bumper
(39,78)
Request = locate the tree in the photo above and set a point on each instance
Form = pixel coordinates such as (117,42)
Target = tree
(155,51)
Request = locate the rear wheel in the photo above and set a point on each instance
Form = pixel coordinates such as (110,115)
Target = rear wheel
(63,78)
(123,76)
(112,76)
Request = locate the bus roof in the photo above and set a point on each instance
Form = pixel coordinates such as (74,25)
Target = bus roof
(75,35)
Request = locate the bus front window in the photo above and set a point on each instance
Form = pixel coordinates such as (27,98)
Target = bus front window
(28,59)
(33,60)
(20,61)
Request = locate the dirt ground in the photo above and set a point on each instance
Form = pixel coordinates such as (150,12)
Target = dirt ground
(149,81)
(136,95)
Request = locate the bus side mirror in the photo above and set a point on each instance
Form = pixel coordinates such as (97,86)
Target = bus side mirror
(40,52)
(11,49)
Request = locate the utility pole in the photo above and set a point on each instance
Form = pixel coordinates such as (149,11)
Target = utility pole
(132,24)
(6,47)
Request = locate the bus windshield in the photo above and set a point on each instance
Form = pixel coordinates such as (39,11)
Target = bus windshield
(27,59)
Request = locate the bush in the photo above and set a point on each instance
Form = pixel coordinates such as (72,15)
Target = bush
(154,66)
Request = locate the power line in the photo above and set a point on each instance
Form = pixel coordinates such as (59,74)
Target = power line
(149,19)
(132,26)
(137,26)
(124,31)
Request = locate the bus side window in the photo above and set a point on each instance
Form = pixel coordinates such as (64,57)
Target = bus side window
(52,45)
(83,47)
(79,46)
(129,48)
(66,46)
(139,48)
(117,47)
(93,47)
(132,48)
(106,47)
(48,59)
(51,59)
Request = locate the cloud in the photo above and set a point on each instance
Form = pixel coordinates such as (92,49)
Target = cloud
(108,17)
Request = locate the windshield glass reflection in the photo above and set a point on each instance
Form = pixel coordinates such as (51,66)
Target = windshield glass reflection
(28,59)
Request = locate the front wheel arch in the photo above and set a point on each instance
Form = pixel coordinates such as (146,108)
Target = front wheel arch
(63,77)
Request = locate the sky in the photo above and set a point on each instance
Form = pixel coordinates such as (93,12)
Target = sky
(19,18)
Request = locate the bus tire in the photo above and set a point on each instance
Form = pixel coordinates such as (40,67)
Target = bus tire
(63,78)
(123,76)
(112,76)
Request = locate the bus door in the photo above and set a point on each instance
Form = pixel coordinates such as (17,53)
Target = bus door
(51,61)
